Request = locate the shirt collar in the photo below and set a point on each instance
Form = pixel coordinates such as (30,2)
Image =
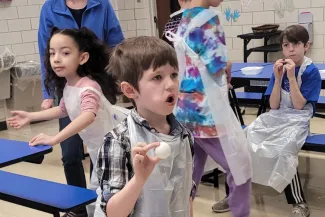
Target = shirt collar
(61,7)
(176,127)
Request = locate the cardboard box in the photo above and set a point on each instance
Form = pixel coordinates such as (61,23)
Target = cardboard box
(5,84)
(25,96)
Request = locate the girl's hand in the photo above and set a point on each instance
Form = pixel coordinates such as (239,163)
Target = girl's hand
(290,68)
(20,119)
(278,69)
(42,139)
(142,163)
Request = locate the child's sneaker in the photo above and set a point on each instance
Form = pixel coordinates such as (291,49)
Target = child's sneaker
(221,206)
(300,210)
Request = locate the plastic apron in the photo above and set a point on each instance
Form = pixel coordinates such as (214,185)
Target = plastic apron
(166,193)
(107,118)
(276,137)
(230,133)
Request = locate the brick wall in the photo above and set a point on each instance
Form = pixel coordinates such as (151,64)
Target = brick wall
(262,12)
(18,27)
(133,16)
(19,22)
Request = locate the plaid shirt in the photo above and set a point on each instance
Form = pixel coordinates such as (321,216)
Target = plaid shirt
(114,163)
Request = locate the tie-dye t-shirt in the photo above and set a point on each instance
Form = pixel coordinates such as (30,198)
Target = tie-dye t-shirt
(208,41)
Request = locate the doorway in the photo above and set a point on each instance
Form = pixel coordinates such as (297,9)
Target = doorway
(163,13)
(160,11)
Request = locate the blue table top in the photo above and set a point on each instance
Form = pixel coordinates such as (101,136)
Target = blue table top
(239,66)
(59,196)
(266,73)
(12,152)
(320,66)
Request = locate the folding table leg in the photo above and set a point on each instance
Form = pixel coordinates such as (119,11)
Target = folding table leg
(260,109)
(216,178)
(263,105)
(236,104)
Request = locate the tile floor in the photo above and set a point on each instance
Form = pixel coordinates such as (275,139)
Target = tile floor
(265,201)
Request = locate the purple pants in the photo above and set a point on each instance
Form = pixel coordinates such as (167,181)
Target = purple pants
(239,196)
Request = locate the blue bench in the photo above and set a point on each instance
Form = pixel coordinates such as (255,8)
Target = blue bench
(246,96)
(321,100)
(258,98)
(46,196)
(315,142)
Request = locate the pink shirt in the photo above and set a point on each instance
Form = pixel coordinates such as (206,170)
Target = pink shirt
(90,100)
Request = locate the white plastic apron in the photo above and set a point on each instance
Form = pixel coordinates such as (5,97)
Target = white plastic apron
(107,118)
(276,137)
(166,193)
(230,133)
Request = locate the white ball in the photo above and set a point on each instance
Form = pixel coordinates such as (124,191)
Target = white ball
(163,150)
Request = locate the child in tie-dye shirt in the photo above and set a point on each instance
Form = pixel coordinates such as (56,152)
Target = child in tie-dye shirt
(207,40)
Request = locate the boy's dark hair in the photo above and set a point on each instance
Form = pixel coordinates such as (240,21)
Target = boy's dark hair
(132,57)
(95,68)
(294,34)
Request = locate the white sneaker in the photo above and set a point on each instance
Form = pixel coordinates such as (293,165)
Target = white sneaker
(300,210)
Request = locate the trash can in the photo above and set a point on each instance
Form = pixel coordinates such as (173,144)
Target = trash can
(26,87)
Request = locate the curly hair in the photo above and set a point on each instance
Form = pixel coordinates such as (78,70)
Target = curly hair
(95,68)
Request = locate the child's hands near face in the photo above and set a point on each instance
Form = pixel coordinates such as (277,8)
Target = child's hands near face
(42,139)
(143,164)
(20,119)
(290,68)
(278,69)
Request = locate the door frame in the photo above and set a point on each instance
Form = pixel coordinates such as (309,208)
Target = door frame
(152,26)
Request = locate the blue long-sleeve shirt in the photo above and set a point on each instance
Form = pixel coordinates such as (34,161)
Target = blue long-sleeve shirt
(99,16)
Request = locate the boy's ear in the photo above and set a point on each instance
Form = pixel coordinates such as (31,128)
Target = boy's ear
(128,90)
(84,58)
(307,45)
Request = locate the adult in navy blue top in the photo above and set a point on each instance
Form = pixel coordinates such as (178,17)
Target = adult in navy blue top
(99,16)
(310,86)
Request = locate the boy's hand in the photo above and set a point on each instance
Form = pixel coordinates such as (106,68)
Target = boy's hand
(278,69)
(142,163)
(290,68)
(20,119)
(42,139)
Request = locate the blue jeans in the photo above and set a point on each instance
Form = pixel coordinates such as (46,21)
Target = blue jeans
(72,156)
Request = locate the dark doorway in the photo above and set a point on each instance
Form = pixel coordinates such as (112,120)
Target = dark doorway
(163,13)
